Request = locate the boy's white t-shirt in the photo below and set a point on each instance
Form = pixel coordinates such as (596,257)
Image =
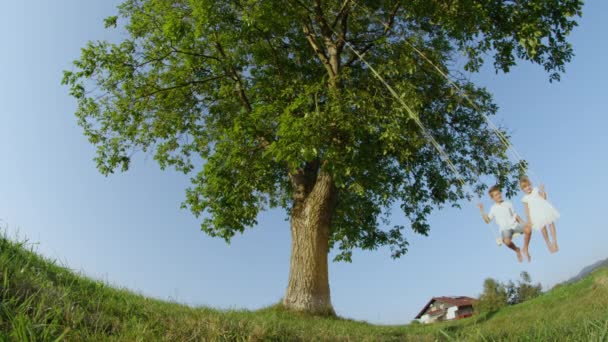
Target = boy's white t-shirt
(504,215)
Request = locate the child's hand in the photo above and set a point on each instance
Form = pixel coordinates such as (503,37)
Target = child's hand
(480,206)
(542,188)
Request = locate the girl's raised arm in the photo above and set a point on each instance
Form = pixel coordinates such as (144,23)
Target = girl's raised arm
(542,192)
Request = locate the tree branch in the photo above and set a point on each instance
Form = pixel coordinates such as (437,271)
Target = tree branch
(343,11)
(304,6)
(275,53)
(344,27)
(326,30)
(387,28)
(159,90)
(194,54)
(308,32)
(240,89)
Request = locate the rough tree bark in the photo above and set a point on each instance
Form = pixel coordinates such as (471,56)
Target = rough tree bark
(308,286)
(315,196)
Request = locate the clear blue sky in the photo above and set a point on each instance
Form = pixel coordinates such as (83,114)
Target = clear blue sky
(128,228)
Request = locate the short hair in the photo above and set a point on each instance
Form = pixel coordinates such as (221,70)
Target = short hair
(493,188)
(524,180)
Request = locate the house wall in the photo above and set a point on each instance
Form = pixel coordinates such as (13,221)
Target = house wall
(424,319)
(428,319)
(452,312)
(467,310)
(449,312)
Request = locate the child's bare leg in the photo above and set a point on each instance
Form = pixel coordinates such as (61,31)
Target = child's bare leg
(554,236)
(527,237)
(546,237)
(511,245)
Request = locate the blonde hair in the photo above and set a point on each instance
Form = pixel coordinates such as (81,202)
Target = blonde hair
(524,181)
(493,189)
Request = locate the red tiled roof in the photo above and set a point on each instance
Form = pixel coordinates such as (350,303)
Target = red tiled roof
(458,301)
(434,312)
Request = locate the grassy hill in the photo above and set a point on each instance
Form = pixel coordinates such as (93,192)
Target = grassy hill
(40,301)
(587,270)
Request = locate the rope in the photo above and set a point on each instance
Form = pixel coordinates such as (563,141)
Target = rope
(416,119)
(505,141)
(412,114)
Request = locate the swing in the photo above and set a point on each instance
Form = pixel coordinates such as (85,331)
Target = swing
(499,240)
(416,119)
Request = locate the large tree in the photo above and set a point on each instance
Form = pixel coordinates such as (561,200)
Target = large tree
(266,105)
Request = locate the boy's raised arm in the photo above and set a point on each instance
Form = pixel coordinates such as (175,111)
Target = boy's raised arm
(483,213)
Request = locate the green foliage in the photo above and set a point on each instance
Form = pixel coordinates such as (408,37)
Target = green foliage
(524,290)
(533,30)
(236,94)
(497,295)
(493,298)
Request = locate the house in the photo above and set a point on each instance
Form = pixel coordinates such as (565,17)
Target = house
(446,309)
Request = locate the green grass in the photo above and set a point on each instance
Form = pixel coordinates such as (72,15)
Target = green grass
(41,301)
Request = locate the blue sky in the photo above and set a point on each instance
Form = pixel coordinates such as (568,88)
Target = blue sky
(128,228)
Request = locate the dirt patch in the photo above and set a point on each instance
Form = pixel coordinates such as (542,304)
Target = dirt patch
(602,281)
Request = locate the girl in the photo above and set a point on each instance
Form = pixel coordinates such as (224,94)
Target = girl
(540,213)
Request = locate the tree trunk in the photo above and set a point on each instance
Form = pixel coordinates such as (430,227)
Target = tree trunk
(314,201)
(308,287)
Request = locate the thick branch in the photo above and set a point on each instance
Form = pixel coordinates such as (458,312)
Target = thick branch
(327,33)
(309,33)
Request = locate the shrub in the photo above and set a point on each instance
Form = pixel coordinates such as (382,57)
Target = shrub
(493,298)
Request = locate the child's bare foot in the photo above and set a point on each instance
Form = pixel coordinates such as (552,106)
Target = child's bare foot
(527,254)
(519,256)
(555,247)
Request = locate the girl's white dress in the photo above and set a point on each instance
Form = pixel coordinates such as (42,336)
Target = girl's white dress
(542,212)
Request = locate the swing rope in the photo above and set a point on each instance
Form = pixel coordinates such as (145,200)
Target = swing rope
(521,161)
(412,115)
(416,118)
(523,164)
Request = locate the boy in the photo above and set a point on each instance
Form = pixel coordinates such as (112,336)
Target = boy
(509,222)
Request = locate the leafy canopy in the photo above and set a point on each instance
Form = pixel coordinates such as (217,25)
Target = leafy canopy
(240,95)
(493,298)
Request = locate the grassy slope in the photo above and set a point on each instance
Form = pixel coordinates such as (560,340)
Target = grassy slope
(40,301)
(585,271)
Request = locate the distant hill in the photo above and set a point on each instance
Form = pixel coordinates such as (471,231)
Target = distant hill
(587,270)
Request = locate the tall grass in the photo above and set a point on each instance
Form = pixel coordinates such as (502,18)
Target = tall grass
(42,301)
